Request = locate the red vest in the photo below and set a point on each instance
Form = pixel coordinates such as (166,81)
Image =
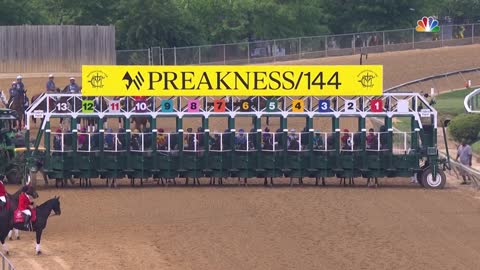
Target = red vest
(23,202)
(3,192)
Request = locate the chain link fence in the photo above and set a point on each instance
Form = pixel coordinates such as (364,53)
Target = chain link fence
(268,51)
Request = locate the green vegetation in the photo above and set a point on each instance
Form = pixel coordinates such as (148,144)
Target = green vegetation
(465,127)
(476,148)
(168,23)
(451,103)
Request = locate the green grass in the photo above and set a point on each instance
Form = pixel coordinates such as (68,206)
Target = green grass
(451,103)
(476,148)
(403,124)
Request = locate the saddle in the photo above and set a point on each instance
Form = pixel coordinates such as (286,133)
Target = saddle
(18,216)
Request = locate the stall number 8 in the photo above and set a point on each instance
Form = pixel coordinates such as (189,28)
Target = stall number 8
(141,106)
(62,107)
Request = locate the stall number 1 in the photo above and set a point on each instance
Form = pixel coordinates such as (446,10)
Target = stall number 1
(377,105)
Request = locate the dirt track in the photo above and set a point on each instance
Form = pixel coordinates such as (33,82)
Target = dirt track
(398,226)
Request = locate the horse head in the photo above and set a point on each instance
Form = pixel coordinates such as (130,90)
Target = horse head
(56,205)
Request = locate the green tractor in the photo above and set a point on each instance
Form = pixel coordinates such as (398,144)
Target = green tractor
(13,157)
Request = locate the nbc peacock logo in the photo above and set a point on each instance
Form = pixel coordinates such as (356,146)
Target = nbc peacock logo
(427,24)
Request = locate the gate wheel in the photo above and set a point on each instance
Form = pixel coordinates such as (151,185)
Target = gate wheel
(429,182)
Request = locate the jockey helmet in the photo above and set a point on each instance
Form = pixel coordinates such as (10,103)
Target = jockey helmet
(14,83)
(50,76)
(19,77)
(72,79)
(24,188)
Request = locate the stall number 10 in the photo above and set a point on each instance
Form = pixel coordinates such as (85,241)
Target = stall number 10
(141,106)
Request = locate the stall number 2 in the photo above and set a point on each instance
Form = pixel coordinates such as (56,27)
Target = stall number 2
(350,106)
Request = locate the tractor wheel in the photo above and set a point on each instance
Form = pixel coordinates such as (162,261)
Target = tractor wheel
(429,182)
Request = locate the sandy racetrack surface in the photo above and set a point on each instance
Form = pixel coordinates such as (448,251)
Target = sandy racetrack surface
(398,226)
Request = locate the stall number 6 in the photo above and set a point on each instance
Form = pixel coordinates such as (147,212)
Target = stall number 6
(62,107)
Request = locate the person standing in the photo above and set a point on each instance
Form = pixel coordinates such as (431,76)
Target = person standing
(51,84)
(464,153)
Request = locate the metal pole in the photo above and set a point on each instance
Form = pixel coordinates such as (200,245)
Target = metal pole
(163,57)
(274,50)
(299,48)
(353,44)
(150,59)
(326,46)
(199,55)
(175,56)
(472,33)
(383,40)
(441,36)
(413,38)
(224,54)
(248,52)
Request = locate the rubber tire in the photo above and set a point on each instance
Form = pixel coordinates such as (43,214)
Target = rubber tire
(440,173)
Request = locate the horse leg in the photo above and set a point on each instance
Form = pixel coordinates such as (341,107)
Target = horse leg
(37,247)
(4,244)
(17,236)
(10,235)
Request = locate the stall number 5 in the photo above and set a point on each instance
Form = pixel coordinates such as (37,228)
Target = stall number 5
(350,106)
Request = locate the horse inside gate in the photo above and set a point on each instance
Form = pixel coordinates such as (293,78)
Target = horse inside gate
(18,104)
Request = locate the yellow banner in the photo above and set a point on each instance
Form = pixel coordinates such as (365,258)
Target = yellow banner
(361,80)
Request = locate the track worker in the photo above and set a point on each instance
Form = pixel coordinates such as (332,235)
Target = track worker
(51,84)
(25,204)
(3,192)
(73,87)
(465,155)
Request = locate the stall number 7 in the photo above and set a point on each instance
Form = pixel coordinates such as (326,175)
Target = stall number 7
(376,105)
(350,106)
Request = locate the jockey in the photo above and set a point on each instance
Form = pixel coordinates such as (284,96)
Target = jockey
(12,91)
(19,85)
(3,192)
(73,88)
(51,84)
(25,204)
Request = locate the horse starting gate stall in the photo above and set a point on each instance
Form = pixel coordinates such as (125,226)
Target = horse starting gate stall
(149,150)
